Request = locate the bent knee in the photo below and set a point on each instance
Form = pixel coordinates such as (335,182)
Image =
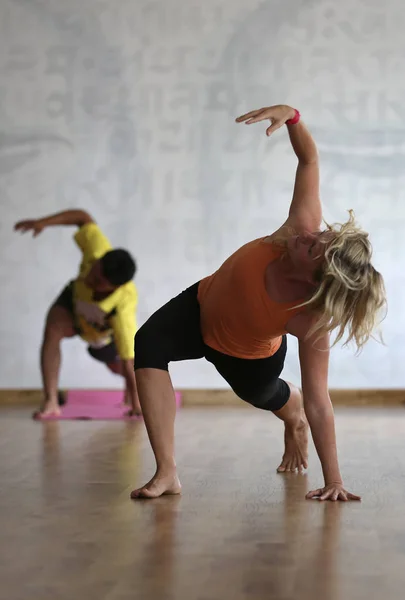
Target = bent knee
(59,324)
(273,397)
(57,331)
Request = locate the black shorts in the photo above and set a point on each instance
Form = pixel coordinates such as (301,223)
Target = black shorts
(173,333)
(105,354)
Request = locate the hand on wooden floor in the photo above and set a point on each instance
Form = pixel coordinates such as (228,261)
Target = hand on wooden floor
(333,492)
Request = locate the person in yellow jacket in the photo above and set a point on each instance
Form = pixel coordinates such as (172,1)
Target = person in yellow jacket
(99,306)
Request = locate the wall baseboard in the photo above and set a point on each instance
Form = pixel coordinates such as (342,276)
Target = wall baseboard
(371,397)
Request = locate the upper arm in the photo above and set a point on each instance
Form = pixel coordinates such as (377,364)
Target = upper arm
(314,363)
(306,209)
(91,240)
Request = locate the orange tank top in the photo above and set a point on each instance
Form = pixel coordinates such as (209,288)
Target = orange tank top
(238,317)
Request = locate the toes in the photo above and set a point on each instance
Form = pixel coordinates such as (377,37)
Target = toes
(285,466)
(302,463)
(282,467)
(292,465)
(141,493)
(149,491)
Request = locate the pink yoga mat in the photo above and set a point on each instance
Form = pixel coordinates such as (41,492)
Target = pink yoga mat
(101,405)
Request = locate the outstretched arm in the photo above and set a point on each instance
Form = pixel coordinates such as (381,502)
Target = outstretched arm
(305,209)
(314,361)
(66,217)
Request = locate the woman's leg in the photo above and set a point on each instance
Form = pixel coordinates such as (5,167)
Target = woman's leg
(258,383)
(295,455)
(171,334)
(159,410)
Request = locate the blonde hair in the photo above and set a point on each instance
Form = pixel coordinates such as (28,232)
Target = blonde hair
(351,293)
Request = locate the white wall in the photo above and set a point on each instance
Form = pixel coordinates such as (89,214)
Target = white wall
(127,110)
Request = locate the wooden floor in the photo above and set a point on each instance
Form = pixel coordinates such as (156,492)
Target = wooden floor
(69,531)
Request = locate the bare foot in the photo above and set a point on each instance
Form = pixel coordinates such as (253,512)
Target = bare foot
(296,447)
(159,485)
(50,409)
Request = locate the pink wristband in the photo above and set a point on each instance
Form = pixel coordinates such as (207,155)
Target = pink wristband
(295,119)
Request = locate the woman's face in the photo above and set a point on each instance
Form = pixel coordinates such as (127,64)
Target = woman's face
(307,250)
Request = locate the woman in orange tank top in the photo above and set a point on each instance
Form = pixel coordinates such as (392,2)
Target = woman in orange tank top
(300,280)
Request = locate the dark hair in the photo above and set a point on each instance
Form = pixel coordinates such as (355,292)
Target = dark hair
(118,266)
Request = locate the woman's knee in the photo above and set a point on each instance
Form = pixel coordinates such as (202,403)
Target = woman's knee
(272,397)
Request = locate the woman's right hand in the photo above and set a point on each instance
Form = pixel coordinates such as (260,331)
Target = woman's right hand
(34,225)
(277,115)
(333,492)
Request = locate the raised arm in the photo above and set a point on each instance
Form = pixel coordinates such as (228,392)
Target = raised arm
(66,217)
(305,212)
